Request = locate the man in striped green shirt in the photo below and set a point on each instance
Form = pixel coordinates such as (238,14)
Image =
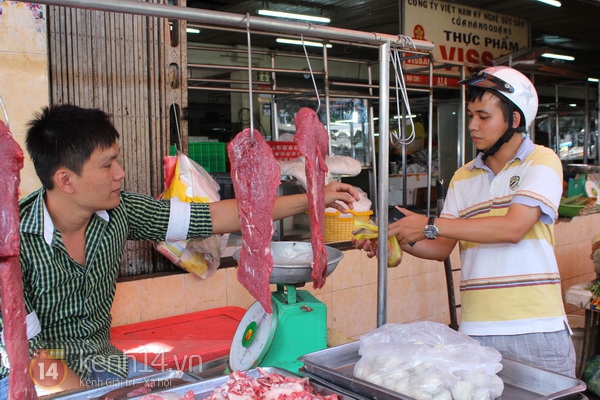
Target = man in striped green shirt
(73,233)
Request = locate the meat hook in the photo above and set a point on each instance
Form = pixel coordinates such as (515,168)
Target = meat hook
(312,75)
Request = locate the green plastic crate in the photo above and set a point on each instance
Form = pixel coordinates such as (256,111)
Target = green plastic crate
(210,155)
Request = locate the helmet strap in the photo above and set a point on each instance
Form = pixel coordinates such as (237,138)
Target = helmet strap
(496,146)
(505,138)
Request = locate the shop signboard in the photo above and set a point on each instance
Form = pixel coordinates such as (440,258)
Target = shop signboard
(462,36)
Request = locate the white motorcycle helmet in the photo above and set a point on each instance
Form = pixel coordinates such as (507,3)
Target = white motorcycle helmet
(513,86)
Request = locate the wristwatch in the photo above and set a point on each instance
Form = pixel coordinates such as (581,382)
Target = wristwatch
(430,231)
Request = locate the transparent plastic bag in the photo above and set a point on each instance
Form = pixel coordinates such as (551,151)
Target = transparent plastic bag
(187,181)
(429,361)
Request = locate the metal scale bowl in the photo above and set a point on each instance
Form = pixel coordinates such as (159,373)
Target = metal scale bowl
(298,325)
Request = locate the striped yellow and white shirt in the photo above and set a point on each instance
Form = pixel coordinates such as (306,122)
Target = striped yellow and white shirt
(509,289)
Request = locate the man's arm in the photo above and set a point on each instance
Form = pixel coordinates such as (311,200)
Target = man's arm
(510,228)
(225,217)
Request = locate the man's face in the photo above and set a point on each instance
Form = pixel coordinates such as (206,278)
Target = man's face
(486,121)
(101,180)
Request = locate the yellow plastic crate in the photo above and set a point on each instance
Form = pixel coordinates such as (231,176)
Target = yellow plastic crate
(339,226)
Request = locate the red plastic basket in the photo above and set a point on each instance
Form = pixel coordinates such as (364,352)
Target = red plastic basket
(285,151)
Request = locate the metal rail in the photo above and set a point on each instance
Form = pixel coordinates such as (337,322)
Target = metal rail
(218,18)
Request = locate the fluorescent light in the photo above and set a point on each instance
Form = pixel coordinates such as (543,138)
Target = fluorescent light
(554,3)
(558,56)
(300,42)
(188,30)
(593,80)
(302,17)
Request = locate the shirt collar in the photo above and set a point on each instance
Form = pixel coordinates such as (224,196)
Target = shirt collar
(523,151)
(40,217)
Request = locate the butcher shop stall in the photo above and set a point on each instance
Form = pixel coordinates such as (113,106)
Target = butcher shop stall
(323,130)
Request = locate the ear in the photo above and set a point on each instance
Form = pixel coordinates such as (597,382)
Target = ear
(516,119)
(63,180)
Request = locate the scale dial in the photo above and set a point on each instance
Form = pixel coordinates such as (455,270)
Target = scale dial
(253,337)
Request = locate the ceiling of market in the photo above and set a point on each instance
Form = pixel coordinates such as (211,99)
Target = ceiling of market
(572,29)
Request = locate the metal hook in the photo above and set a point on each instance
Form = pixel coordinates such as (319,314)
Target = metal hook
(312,75)
(176,118)
(250,78)
(5,114)
(396,138)
(407,41)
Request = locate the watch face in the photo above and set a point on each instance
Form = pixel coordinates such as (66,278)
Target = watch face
(430,231)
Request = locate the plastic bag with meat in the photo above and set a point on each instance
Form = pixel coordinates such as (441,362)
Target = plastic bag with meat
(313,143)
(255,175)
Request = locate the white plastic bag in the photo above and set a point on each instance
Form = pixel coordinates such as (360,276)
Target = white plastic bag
(187,181)
(429,361)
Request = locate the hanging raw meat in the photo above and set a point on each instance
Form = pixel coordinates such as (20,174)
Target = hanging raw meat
(313,143)
(11,284)
(255,175)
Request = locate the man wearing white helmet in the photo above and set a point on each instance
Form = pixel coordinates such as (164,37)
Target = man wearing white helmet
(501,208)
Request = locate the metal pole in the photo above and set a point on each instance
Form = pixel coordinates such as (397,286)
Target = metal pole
(586,124)
(462,126)
(557,122)
(430,138)
(326,91)
(218,18)
(373,177)
(384,166)
(274,110)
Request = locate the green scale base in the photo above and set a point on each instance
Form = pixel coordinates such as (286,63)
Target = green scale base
(301,328)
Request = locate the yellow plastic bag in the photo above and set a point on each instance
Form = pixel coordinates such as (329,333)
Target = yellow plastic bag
(368,230)
(186,181)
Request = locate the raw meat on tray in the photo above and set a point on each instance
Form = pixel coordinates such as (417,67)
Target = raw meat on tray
(313,143)
(20,385)
(267,386)
(255,175)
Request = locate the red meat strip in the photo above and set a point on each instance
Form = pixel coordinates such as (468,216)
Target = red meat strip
(313,143)
(255,175)
(11,284)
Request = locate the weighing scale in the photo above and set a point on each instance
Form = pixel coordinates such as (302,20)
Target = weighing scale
(298,325)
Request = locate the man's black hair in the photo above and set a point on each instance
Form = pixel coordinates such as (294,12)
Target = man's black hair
(65,135)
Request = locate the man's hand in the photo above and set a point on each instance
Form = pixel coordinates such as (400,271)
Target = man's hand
(340,196)
(408,229)
(367,245)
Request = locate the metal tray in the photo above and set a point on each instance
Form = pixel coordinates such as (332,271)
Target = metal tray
(100,390)
(203,389)
(521,381)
